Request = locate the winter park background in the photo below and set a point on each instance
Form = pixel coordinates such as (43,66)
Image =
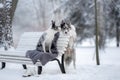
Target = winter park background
(36,15)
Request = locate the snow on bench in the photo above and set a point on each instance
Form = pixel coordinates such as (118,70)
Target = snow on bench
(28,41)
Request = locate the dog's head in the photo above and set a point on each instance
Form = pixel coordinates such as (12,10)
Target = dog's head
(54,27)
(65,26)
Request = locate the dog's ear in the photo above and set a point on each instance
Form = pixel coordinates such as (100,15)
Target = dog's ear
(62,23)
(53,24)
(69,24)
(67,21)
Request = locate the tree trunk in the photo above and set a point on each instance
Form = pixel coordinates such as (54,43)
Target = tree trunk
(96,29)
(7,13)
(117,33)
(101,24)
(14,5)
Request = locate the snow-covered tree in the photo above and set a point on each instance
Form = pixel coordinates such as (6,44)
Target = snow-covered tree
(115,18)
(7,8)
(6,39)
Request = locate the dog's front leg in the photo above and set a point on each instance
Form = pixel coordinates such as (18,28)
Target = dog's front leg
(74,58)
(43,44)
(50,48)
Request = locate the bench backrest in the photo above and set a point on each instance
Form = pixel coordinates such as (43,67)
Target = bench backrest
(29,40)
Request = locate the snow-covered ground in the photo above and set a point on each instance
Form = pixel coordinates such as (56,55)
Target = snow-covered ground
(86,68)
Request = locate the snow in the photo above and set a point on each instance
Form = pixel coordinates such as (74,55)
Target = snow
(1,5)
(86,68)
(10,49)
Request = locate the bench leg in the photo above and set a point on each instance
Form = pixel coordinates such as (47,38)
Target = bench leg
(39,70)
(3,65)
(61,65)
(24,66)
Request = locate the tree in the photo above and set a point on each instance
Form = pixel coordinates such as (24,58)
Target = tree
(101,24)
(6,14)
(115,16)
(96,26)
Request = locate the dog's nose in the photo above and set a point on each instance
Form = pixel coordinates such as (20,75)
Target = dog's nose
(65,32)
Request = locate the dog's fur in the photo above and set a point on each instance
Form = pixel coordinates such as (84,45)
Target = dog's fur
(49,35)
(68,29)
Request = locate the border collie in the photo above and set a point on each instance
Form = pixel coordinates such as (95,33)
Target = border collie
(68,29)
(47,37)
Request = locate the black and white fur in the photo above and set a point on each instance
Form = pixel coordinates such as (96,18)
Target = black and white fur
(49,35)
(68,29)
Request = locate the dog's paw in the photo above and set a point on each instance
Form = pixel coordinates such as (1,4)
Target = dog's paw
(44,51)
(50,50)
(37,75)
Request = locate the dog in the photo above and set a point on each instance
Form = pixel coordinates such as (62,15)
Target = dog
(47,37)
(68,29)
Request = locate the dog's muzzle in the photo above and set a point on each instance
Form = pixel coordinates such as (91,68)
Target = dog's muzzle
(65,32)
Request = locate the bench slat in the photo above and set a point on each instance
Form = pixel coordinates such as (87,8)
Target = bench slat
(19,61)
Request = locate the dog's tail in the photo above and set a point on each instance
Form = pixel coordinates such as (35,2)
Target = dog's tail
(69,57)
(68,60)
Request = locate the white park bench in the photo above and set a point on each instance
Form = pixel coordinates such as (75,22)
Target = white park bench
(28,41)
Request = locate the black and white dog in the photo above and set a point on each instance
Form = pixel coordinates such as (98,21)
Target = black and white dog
(48,36)
(68,29)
